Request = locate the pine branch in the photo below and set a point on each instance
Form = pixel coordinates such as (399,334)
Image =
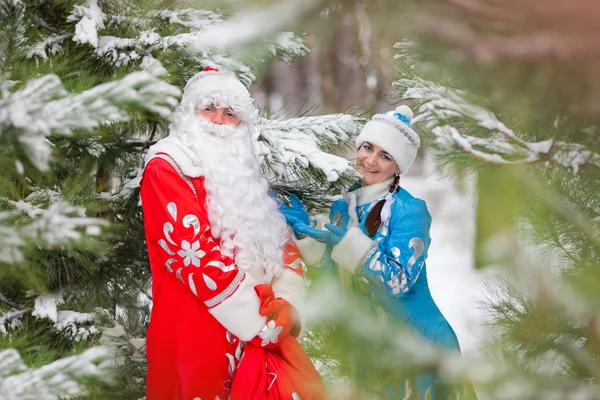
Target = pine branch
(194,19)
(444,111)
(12,32)
(12,317)
(49,45)
(118,338)
(11,242)
(253,25)
(65,377)
(90,18)
(295,143)
(58,225)
(5,300)
(43,107)
(561,206)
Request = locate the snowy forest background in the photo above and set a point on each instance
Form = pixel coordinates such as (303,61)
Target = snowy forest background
(506,99)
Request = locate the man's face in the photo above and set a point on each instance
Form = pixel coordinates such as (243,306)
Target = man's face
(221,116)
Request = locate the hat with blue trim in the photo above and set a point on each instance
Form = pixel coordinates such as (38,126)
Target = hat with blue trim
(393,132)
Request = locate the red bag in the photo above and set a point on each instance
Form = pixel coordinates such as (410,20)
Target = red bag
(285,372)
(281,369)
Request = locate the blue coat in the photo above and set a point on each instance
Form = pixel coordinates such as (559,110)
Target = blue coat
(395,273)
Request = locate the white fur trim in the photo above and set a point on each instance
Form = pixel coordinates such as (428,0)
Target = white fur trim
(370,193)
(311,250)
(353,216)
(393,136)
(239,312)
(173,146)
(206,83)
(291,287)
(352,249)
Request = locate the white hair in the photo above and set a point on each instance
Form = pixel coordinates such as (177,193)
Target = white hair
(240,210)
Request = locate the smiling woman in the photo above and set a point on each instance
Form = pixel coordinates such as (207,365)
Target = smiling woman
(379,233)
(375,164)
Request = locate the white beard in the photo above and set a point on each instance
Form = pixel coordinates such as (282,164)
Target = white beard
(240,210)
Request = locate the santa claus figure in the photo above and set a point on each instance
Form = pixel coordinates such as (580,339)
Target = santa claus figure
(227,283)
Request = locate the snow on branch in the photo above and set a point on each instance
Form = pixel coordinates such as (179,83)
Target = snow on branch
(11,320)
(12,30)
(253,25)
(53,226)
(59,224)
(74,325)
(444,111)
(90,18)
(11,242)
(288,46)
(190,17)
(63,378)
(51,44)
(224,62)
(295,142)
(45,306)
(120,51)
(43,106)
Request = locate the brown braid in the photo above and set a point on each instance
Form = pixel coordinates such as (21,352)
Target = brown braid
(373,221)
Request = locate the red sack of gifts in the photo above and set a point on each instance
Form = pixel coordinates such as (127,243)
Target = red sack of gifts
(281,373)
(276,370)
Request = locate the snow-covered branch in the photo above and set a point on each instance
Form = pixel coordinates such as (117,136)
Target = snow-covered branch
(295,142)
(90,18)
(444,111)
(11,320)
(253,25)
(43,107)
(12,30)
(51,44)
(66,377)
(11,242)
(194,19)
(117,338)
(54,226)
(61,223)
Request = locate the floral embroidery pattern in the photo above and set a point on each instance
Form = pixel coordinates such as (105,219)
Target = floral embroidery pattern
(191,253)
(270,333)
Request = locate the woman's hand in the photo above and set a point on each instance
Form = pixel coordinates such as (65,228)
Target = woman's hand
(295,213)
(332,235)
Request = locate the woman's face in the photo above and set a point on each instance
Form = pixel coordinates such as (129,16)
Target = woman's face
(374,164)
(219,115)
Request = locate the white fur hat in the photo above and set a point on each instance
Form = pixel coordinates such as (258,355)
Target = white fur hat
(224,88)
(393,133)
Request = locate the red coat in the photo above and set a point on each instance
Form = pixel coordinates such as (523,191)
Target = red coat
(203,304)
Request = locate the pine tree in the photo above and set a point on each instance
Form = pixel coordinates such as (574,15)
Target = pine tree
(514,106)
(86,88)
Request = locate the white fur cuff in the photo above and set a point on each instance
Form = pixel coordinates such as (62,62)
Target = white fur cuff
(239,312)
(290,287)
(352,249)
(312,251)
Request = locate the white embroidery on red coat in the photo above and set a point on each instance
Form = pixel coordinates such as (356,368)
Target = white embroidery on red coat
(234,361)
(221,266)
(209,282)
(190,253)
